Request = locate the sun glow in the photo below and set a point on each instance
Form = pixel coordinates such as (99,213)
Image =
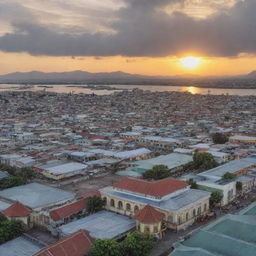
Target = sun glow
(190,62)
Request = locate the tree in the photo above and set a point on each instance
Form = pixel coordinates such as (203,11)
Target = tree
(158,172)
(10,229)
(95,204)
(216,197)
(105,247)
(219,138)
(229,176)
(137,244)
(192,184)
(204,161)
(12,181)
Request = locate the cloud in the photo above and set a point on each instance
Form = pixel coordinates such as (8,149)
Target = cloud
(137,28)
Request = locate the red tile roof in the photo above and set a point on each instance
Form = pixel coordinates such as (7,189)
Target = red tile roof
(149,215)
(73,208)
(68,210)
(77,244)
(17,210)
(158,188)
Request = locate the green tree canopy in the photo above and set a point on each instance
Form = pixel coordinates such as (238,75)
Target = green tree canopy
(158,172)
(95,204)
(229,176)
(219,138)
(216,197)
(12,181)
(10,229)
(204,161)
(106,247)
(137,244)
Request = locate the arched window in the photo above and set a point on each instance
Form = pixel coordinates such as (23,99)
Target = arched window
(128,207)
(155,229)
(194,212)
(147,229)
(187,216)
(179,220)
(120,205)
(112,202)
(105,200)
(205,207)
(136,208)
(199,211)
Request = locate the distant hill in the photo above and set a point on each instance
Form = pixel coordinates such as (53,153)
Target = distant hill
(69,77)
(82,77)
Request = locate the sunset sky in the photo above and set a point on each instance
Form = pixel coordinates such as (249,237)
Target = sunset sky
(149,37)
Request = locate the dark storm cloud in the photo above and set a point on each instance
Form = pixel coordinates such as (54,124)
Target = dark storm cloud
(145,29)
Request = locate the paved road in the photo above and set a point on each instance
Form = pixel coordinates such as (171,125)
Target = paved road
(165,245)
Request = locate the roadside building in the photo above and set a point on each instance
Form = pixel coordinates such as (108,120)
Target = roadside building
(180,205)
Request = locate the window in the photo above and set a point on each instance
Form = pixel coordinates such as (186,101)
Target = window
(194,212)
(205,207)
(112,203)
(128,207)
(105,200)
(147,229)
(120,205)
(136,208)
(187,216)
(155,229)
(199,211)
(179,220)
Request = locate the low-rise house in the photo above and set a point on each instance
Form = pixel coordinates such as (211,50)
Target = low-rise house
(39,199)
(242,139)
(212,180)
(60,170)
(158,143)
(18,211)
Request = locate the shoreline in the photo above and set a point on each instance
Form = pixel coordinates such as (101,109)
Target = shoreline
(127,84)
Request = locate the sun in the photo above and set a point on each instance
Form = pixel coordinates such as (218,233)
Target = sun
(190,62)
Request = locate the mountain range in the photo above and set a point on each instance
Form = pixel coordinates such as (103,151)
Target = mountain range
(118,77)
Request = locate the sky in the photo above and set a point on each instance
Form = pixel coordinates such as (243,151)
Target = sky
(148,37)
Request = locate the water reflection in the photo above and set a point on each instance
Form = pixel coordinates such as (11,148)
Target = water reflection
(81,89)
(191,89)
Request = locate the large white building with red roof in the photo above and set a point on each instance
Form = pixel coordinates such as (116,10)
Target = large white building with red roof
(179,204)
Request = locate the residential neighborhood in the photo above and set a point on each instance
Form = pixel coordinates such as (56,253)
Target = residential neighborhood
(79,169)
